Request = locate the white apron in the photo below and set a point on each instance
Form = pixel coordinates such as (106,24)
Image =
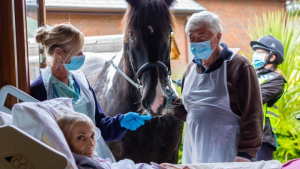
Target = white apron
(84,104)
(212,129)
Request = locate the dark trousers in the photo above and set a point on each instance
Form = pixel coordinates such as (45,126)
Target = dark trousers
(265,152)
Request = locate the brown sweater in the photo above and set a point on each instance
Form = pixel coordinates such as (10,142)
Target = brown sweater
(245,101)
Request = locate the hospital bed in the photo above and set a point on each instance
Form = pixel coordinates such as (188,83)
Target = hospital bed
(36,138)
(38,120)
(21,150)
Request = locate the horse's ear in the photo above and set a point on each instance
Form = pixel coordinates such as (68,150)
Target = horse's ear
(170,2)
(133,3)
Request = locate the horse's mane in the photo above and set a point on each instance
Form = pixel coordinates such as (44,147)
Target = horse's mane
(147,26)
(145,13)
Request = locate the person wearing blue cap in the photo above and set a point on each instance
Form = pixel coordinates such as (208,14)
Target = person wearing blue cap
(64,43)
(268,54)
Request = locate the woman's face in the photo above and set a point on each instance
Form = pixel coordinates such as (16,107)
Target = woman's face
(66,54)
(264,52)
(273,57)
(82,139)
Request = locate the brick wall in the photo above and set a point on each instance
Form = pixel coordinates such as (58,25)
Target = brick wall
(97,24)
(234,15)
(89,24)
(178,66)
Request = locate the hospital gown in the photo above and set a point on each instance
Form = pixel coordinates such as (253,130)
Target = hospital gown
(84,162)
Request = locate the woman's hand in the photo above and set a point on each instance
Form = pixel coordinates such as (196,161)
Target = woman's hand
(172,166)
(241,159)
(133,120)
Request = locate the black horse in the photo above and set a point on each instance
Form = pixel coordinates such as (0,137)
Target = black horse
(146,60)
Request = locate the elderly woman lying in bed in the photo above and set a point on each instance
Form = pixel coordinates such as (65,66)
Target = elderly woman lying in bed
(80,134)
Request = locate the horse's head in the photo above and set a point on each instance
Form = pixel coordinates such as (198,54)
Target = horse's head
(147,43)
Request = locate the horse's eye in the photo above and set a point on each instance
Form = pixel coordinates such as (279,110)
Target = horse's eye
(131,37)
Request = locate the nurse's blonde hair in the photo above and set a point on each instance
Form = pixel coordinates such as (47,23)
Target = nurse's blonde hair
(61,35)
(66,122)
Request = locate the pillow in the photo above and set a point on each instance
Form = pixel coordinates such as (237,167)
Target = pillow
(38,120)
(5,119)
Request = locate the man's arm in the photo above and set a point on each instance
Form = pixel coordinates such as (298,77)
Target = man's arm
(179,110)
(250,105)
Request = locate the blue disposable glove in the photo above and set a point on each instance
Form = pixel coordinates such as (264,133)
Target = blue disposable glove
(133,120)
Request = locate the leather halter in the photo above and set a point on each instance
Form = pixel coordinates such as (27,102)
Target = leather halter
(149,65)
(165,67)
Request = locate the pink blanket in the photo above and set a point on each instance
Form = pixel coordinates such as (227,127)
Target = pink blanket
(293,164)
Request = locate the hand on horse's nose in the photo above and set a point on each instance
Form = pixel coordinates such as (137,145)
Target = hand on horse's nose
(133,120)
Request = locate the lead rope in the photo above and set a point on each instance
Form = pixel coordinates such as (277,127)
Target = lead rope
(171,97)
(139,87)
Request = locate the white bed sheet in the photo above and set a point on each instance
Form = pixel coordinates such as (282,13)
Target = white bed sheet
(272,164)
(5,119)
(38,118)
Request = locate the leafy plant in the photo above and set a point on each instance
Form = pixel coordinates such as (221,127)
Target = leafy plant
(178,89)
(293,7)
(286,28)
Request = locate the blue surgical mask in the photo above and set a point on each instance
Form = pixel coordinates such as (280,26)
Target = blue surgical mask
(76,62)
(258,60)
(201,50)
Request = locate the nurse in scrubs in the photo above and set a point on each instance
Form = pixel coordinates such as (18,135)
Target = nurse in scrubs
(64,43)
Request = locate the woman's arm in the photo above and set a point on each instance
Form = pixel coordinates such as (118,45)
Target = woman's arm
(110,127)
(37,89)
(272,90)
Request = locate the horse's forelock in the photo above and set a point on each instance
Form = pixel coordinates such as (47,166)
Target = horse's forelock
(139,16)
(133,3)
(170,2)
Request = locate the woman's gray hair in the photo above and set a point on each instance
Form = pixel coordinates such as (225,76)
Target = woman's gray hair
(211,20)
(67,120)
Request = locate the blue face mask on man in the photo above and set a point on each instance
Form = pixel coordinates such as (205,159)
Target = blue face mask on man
(258,60)
(76,62)
(201,50)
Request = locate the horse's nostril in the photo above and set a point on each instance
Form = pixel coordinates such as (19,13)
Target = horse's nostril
(144,104)
(165,101)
